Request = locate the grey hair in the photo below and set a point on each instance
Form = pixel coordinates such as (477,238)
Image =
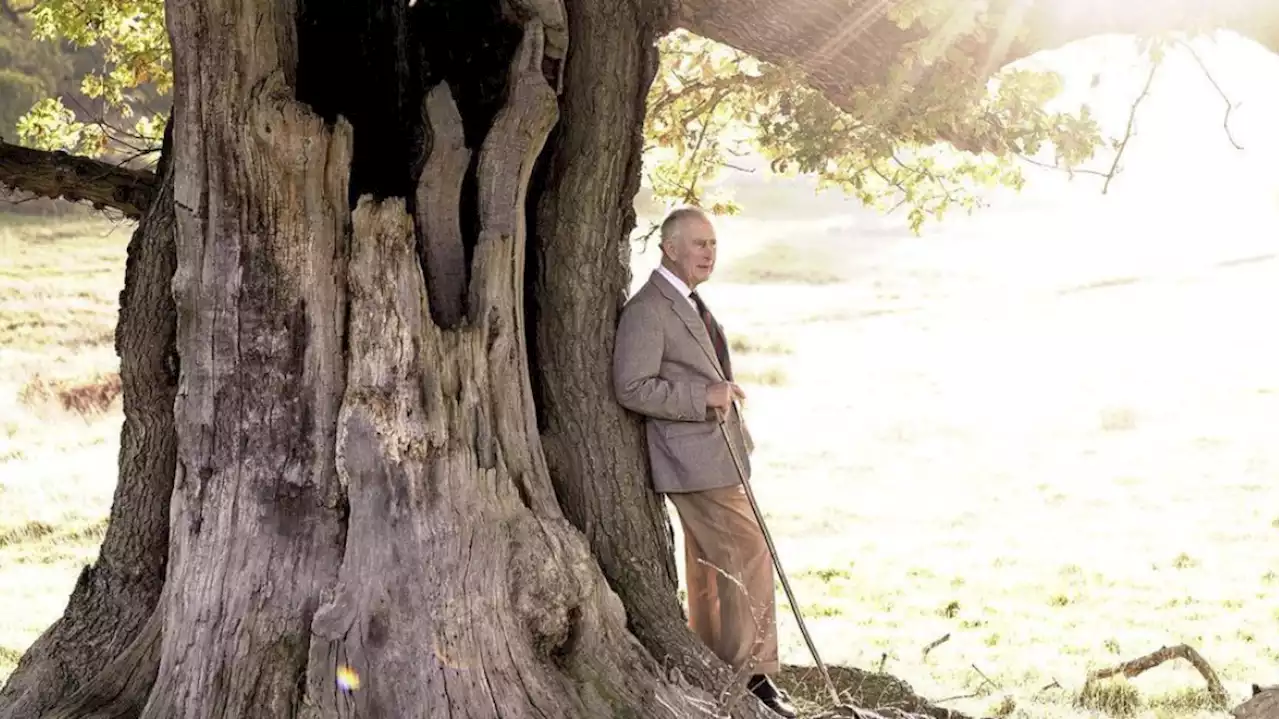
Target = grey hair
(678,217)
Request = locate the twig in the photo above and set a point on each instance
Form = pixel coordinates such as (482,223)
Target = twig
(739,168)
(925,171)
(884,657)
(1226,117)
(935,644)
(1047,687)
(986,678)
(648,235)
(695,166)
(1137,666)
(1128,129)
(975,695)
(732,693)
(1068,170)
(108,128)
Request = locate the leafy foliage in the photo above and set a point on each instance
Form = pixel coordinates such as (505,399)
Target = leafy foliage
(135,53)
(710,103)
(29,71)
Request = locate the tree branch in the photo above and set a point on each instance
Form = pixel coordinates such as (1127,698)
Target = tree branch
(1128,128)
(843,45)
(58,174)
(1226,118)
(1069,170)
(1137,666)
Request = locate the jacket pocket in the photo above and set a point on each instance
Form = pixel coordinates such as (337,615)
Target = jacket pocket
(672,430)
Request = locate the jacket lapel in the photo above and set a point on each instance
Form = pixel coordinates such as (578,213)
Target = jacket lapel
(680,305)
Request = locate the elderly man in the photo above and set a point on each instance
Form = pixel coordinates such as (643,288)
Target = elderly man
(671,365)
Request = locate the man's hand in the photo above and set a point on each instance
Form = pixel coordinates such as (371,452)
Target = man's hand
(720,396)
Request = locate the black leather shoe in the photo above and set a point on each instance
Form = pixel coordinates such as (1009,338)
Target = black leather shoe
(771,696)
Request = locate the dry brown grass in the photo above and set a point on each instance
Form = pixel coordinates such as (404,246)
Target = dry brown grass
(92,395)
(60,412)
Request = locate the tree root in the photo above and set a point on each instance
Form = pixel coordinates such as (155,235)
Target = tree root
(878,695)
(1261,705)
(121,689)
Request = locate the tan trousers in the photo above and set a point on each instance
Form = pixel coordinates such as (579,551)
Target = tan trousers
(729,577)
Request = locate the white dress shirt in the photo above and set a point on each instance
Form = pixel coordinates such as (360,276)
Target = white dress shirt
(678,283)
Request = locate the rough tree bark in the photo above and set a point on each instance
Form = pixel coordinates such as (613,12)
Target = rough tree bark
(114,598)
(357,485)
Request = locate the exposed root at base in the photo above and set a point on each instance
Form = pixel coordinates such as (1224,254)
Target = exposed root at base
(866,695)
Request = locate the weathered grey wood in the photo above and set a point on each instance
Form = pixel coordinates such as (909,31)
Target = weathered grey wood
(261,207)
(463,590)
(438,197)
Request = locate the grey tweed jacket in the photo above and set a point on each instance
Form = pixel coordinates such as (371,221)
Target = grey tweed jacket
(663,362)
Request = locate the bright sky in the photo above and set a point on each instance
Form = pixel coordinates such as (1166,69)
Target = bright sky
(1181,149)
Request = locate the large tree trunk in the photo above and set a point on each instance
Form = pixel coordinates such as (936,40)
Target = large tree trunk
(114,597)
(359,482)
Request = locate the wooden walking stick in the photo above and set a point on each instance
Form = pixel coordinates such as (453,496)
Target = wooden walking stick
(773,552)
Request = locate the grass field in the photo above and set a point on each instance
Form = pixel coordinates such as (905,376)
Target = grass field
(59,283)
(1058,449)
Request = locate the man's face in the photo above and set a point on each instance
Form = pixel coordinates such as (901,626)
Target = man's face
(692,252)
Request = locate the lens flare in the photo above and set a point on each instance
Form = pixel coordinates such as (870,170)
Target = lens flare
(348,680)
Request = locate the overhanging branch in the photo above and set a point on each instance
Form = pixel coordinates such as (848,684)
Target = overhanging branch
(58,174)
(843,45)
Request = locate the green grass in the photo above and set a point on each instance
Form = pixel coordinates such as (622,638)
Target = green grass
(1057,481)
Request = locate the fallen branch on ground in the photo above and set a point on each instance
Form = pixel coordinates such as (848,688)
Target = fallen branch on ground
(958,697)
(935,644)
(1137,666)
(986,678)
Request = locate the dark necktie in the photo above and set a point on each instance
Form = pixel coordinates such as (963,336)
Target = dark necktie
(717,337)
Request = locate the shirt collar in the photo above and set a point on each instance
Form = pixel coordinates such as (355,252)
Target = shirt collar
(676,282)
